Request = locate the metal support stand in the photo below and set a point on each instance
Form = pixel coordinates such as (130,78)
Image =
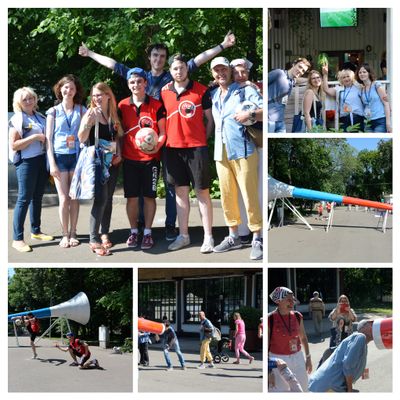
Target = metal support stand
(292,208)
(330,220)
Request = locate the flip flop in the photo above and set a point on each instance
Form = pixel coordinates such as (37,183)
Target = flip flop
(64,242)
(105,241)
(73,241)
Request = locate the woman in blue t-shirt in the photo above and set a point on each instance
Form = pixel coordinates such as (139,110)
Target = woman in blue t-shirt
(63,122)
(374,98)
(27,144)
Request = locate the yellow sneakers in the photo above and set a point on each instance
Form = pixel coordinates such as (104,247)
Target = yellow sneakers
(42,236)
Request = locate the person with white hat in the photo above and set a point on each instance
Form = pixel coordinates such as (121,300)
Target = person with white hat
(236,155)
(287,337)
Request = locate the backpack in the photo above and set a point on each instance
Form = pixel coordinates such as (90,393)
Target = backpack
(255,131)
(271,324)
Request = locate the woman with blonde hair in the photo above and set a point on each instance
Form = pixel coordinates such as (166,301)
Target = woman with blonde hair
(240,339)
(313,101)
(350,106)
(27,141)
(103,112)
(63,122)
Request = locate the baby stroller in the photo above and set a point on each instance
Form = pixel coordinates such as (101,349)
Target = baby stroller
(219,346)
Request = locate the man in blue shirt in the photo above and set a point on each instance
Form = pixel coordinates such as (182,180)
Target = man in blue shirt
(157,77)
(346,364)
(280,85)
(236,156)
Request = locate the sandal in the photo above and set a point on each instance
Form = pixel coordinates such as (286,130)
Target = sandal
(64,242)
(73,241)
(99,249)
(105,241)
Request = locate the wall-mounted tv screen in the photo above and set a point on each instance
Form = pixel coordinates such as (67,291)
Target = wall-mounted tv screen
(338,17)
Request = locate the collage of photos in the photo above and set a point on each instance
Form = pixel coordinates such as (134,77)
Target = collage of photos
(143,182)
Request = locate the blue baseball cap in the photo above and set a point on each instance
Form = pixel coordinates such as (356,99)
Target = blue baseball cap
(70,334)
(136,71)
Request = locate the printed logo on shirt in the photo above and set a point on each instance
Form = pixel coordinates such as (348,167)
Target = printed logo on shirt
(146,122)
(187,109)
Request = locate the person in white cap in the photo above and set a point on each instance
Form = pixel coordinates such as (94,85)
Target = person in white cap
(317,310)
(287,336)
(236,156)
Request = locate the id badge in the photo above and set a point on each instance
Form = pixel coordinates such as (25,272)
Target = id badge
(293,345)
(71,142)
(367,112)
(346,108)
(365,374)
(113,147)
(284,100)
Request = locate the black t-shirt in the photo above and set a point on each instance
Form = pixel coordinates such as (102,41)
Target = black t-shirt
(104,133)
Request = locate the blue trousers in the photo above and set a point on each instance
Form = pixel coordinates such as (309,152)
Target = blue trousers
(178,353)
(32,176)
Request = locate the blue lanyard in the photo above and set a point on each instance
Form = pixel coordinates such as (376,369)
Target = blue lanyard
(346,94)
(69,121)
(37,119)
(367,98)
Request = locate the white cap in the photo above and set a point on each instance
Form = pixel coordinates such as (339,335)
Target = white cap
(219,61)
(242,61)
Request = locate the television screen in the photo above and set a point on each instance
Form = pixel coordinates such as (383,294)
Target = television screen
(338,17)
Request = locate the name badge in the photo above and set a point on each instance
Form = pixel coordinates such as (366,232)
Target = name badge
(367,112)
(71,142)
(346,108)
(293,345)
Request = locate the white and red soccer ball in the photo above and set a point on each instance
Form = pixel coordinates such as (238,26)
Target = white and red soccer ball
(146,139)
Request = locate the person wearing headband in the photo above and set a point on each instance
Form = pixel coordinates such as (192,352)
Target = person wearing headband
(287,338)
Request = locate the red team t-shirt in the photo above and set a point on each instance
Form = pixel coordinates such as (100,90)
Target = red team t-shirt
(285,333)
(185,125)
(133,119)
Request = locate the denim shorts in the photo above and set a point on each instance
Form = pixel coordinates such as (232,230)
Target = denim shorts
(65,162)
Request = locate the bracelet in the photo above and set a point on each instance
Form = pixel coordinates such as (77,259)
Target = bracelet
(221,47)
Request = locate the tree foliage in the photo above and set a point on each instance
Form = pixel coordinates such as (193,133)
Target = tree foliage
(332,165)
(109,291)
(43,43)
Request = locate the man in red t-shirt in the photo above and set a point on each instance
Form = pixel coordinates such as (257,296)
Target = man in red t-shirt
(187,103)
(141,170)
(79,348)
(33,327)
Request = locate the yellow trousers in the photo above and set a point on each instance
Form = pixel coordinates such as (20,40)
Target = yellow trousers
(205,352)
(240,175)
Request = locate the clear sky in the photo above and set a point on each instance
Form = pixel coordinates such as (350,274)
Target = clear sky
(365,144)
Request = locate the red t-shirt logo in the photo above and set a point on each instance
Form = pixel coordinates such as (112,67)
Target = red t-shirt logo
(187,109)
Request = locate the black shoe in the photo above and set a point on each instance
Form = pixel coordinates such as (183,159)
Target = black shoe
(170,233)
(245,239)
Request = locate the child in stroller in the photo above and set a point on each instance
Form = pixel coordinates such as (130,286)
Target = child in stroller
(218,347)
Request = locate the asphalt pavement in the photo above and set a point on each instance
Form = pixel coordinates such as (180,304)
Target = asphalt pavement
(51,371)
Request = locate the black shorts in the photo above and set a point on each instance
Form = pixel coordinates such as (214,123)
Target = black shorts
(140,178)
(188,166)
(33,336)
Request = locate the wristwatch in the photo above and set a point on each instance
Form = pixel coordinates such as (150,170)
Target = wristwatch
(253,115)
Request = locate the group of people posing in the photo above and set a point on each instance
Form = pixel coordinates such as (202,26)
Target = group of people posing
(361,102)
(340,366)
(184,113)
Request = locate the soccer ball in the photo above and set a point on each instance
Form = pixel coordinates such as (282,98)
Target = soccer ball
(18,322)
(146,139)
(247,106)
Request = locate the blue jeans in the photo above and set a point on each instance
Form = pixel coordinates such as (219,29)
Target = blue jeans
(178,353)
(32,176)
(376,125)
(276,127)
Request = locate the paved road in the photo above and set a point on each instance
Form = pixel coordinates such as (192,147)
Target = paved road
(51,371)
(353,238)
(226,377)
(51,252)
